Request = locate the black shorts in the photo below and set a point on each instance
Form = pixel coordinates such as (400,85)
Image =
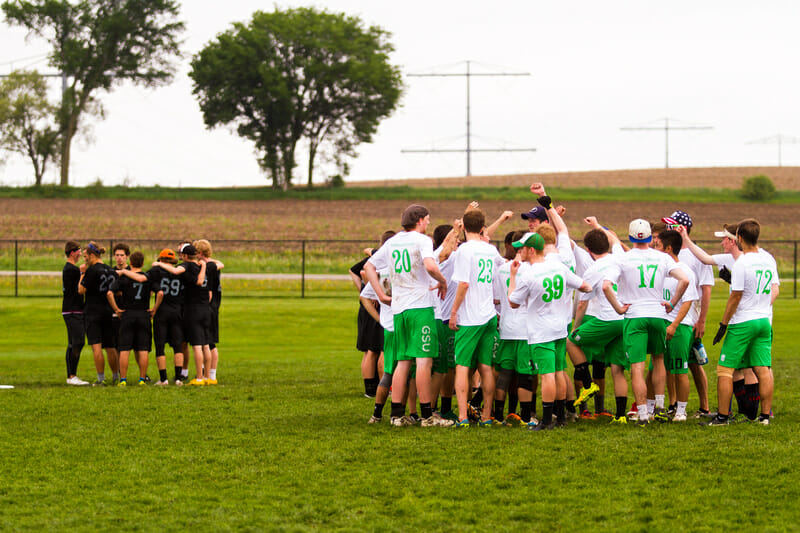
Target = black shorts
(168,328)
(370,333)
(99,329)
(76,332)
(115,324)
(134,331)
(214,327)
(196,325)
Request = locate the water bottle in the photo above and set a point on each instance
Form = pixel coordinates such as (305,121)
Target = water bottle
(699,352)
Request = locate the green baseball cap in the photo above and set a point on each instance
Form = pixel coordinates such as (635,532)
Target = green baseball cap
(531,240)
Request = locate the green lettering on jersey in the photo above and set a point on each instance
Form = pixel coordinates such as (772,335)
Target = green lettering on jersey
(651,276)
(402,260)
(553,287)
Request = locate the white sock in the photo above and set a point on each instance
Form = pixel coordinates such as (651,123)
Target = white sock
(101,376)
(651,406)
(681,408)
(212,374)
(642,412)
(660,401)
(184,372)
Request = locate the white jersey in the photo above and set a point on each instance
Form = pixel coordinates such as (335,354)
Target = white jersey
(513,325)
(540,286)
(595,275)
(387,317)
(703,274)
(723,260)
(583,260)
(692,294)
(641,281)
(403,256)
(444,307)
(753,274)
(475,264)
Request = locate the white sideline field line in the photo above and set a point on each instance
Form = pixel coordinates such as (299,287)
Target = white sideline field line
(324,277)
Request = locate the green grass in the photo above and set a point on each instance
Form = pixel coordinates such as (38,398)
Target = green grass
(282,444)
(665,194)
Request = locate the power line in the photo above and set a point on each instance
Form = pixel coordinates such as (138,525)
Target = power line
(779,139)
(666,129)
(468,150)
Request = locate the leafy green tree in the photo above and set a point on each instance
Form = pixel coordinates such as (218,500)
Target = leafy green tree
(97,44)
(758,188)
(298,74)
(27,125)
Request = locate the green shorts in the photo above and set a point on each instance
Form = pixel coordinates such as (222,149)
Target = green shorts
(447,355)
(476,344)
(416,334)
(747,344)
(389,361)
(561,354)
(601,341)
(525,358)
(509,354)
(642,336)
(543,356)
(679,348)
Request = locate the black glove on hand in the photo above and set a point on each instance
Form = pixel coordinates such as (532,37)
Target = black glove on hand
(725,274)
(545,201)
(720,333)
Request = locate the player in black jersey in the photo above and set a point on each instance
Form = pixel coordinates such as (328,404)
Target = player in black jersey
(213,273)
(94,284)
(134,330)
(168,316)
(196,311)
(72,311)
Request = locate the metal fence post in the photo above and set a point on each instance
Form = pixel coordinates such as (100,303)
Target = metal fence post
(303,272)
(16,268)
(795,270)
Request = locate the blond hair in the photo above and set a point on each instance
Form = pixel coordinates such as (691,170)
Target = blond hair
(203,247)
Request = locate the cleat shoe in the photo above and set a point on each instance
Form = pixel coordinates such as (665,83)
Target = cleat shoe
(178,382)
(541,426)
(489,423)
(75,380)
(142,383)
(532,424)
(672,409)
(619,420)
(436,420)
(642,423)
(162,383)
(763,419)
(702,413)
(415,418)
(214,382)
(401,421)
(571,416)
(679,418)
(197,382)
(99,384)
(718,420)
(586,394)
(374,420)
(660,415)
(604,413)
(122,383)
(512,419)
(450,415)
(473,413)
(587,415)
(147,378)
(633,413)
(463,423)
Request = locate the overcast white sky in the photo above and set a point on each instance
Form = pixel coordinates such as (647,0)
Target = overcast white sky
(594,67)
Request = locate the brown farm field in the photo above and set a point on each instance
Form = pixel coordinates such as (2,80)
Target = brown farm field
(290,219)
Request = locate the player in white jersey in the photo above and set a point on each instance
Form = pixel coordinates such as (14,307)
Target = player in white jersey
(473,316)
(445,243)
(641,281)
(414,276)
(540,288)
(746,324)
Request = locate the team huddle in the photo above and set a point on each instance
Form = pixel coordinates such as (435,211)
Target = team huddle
(459,318)
(122,309)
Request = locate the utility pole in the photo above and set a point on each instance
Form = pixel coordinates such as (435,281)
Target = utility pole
(778,139)
(666,129)
(469,150)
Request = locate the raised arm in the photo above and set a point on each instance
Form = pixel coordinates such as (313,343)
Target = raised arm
(496,224)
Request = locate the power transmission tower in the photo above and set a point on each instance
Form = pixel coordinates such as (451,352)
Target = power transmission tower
(469,150)
(778,139)
(666,129)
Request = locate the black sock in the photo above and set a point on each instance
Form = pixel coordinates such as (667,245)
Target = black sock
(447,404)
(426,410)
(498,409)
(751,393)
(398,409)
(477,397)
(584,407)
(513,399)
(178,372)
(622,406)
(599,403)
(525,411)
(569,405)
(739,394)
(582,374)
(377,412)
(547,413)
(162,374)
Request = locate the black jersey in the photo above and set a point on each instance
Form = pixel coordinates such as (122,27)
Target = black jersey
(170,284)
(73,301)
(358,267)
(97,280)
(135,295)
(213,284)
(196,295)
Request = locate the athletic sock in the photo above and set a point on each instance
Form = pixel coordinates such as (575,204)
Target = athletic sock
(513,399)
(101,376)
(622,405)
(559,410)
(498,409)
(398,410)
(425,409)
(162,374)
(477,397)
(582,374)
(212,374)
(447,404)
(660,401)
(569,405)
(177,373)
(377,412)
(184,373)
(751,393)
(740,394)
(547,413)
(584,407)
(525,411)
(642,411)
(681,409)
(599,403)
(651,406)
(115,376)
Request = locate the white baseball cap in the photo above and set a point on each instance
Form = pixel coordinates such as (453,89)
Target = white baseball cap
(639,231)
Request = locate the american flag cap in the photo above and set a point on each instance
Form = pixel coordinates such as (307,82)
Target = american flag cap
(682,218)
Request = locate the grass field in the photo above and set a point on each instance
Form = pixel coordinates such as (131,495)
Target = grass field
(282,444)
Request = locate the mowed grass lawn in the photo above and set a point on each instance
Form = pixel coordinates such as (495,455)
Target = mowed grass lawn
(283,444)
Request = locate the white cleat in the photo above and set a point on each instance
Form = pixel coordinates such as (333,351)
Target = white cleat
(679,418)
(75,380)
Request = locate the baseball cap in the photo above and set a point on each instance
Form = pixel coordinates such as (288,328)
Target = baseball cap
(413,214)
(639,231)
(678,217)
(166,253)
(728,230)
(538,213)
(188,249)
(531,240)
